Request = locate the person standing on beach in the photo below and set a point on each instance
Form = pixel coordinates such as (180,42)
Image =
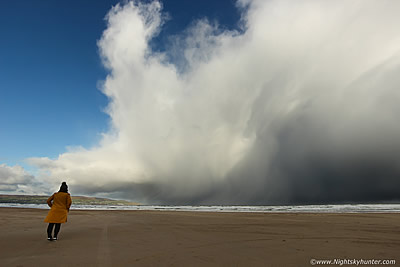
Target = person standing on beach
(59,203)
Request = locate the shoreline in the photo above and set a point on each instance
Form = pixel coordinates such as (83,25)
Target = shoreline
(332,208)
(184,238)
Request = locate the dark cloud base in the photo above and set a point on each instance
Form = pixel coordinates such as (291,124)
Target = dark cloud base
(305,169)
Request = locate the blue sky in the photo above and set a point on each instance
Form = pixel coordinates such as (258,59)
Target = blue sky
(50,69)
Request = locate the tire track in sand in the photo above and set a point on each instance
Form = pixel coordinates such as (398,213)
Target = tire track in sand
(104,256)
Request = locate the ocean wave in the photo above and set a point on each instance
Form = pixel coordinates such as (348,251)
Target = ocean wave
(343,208)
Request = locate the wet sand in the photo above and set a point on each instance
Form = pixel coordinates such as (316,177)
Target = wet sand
(152,238)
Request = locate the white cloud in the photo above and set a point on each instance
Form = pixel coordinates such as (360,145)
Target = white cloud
(306,78)
(14,178)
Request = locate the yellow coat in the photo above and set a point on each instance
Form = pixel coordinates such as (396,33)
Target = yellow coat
(60,203)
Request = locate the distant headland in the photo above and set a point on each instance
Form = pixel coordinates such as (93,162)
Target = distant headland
(78,200)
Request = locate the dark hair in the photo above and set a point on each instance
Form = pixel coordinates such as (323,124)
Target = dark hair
(64,187)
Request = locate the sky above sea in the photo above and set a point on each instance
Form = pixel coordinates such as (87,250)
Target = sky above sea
(246,102)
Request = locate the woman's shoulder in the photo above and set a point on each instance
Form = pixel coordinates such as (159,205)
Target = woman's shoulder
(62,193)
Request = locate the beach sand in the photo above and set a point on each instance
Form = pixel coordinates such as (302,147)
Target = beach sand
(163,238)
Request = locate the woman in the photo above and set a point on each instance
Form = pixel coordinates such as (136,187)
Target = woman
(59,203)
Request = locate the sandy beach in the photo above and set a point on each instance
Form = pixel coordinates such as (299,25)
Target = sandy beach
(151,238)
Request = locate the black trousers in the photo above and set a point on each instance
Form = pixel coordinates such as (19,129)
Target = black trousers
(50,229)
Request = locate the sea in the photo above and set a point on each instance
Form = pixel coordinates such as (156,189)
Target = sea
(343,208)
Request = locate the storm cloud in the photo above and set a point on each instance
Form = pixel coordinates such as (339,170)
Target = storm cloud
(300,105)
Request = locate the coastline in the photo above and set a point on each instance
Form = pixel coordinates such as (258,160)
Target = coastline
(331,208)
(172,238)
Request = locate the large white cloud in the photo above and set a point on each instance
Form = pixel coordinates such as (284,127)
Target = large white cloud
(15,179)
(290,110)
